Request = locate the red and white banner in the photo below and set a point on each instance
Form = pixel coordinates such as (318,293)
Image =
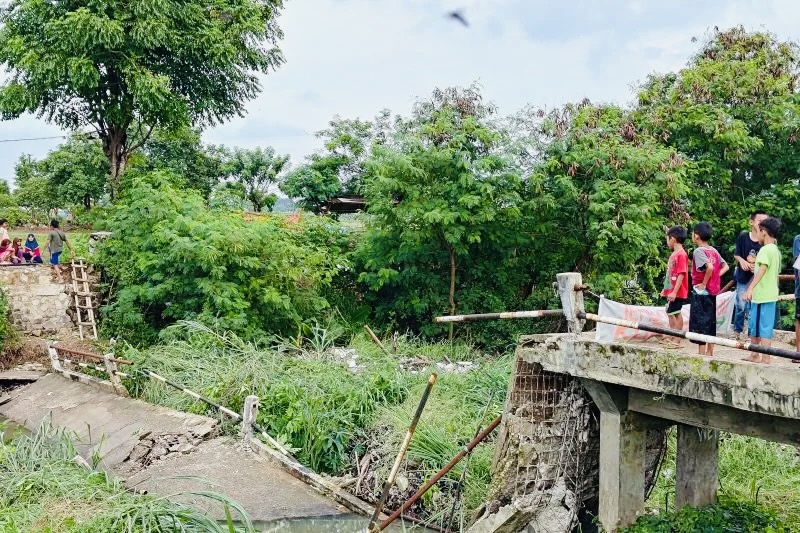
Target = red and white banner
(655,316)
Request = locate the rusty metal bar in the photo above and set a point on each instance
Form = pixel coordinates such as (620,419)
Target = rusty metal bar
(708,339)
(501,316)
(373,522)
(90,355)
(441,473)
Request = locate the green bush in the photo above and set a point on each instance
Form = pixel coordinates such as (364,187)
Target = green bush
(171,258)
(728,515)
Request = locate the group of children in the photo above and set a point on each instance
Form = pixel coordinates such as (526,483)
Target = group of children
(14,252)
(758,292)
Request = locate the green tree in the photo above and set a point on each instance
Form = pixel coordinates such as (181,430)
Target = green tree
(182,152)
(33,190)
(77,170)
(172,258)
(735,112)
(340,168)
(256,170)
(123,68)
(440,199)
(600,197)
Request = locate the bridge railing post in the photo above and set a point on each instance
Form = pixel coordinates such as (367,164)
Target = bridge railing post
(54,362)
(249,416)
(569,290)
(111,369)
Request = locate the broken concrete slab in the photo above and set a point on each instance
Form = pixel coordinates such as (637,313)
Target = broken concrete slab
(225,465)
(155,448)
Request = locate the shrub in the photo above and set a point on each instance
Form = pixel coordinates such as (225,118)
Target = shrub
(172,258)
(728,515)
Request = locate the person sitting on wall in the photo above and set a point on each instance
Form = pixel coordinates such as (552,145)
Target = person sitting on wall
(31,252)
(16,246)
(7,256)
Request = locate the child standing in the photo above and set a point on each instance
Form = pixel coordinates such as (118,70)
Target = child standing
(763,290)
(707,269)
(676,282)
(55,245)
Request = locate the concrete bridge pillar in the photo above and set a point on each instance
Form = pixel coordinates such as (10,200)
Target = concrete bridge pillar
(696,466)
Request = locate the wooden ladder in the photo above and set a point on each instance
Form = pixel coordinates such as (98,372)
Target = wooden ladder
(82,291)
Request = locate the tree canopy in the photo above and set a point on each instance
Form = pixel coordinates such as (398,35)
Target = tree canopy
(123,68)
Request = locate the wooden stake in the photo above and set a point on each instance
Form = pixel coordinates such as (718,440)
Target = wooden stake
(373,522)
(375,339)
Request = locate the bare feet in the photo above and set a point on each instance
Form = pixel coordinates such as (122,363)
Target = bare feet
(754,358)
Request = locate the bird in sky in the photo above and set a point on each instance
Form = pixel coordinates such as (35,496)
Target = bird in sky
(458,15)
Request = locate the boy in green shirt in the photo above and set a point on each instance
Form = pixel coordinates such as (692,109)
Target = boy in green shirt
(763,290)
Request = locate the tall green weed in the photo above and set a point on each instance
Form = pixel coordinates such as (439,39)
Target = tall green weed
(308,400)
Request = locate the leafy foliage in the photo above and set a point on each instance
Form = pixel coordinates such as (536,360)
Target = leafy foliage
(340,169)
(254,171)
(440,202)
(171,258)
(727,515)
(734,111)
(123,68)
(181,152)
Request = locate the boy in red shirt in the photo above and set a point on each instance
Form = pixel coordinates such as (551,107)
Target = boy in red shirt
(707,269)
(676,282)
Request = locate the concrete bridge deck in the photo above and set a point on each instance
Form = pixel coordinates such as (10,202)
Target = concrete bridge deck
(724,379)
(643,386)
(149,446)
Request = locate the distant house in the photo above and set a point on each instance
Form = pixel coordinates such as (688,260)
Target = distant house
(345,204)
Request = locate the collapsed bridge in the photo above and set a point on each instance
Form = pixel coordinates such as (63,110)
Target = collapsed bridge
(584,423)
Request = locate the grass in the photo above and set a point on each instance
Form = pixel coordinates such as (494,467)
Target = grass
(309,400)
(43,490)
(751,470)
(458,405)
(326,413)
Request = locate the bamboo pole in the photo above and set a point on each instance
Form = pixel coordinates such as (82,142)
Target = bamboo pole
(495,316)
(441,473)
(373,522)
(708,339)
(375,339)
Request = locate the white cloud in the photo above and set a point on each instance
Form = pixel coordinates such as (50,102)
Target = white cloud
(355,57)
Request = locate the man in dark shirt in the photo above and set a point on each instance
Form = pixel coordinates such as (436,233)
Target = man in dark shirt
(747,246)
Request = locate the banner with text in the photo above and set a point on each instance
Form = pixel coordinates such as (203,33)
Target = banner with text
(655,316)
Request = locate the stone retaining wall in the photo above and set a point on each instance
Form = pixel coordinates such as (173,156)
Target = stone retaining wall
(38,304)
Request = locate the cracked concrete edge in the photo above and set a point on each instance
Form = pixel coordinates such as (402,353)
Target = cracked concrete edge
(314,480)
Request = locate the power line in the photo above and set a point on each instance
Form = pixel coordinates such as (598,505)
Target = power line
(33,139)
(87,134)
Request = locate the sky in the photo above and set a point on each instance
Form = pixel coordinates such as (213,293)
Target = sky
(353,58)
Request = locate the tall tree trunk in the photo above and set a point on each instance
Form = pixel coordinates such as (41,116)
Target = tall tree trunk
(114,147)
(452,285)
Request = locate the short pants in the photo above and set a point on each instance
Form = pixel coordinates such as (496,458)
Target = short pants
(703,315)
(762,319)
(54,258)
(797,308)
(674,307)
